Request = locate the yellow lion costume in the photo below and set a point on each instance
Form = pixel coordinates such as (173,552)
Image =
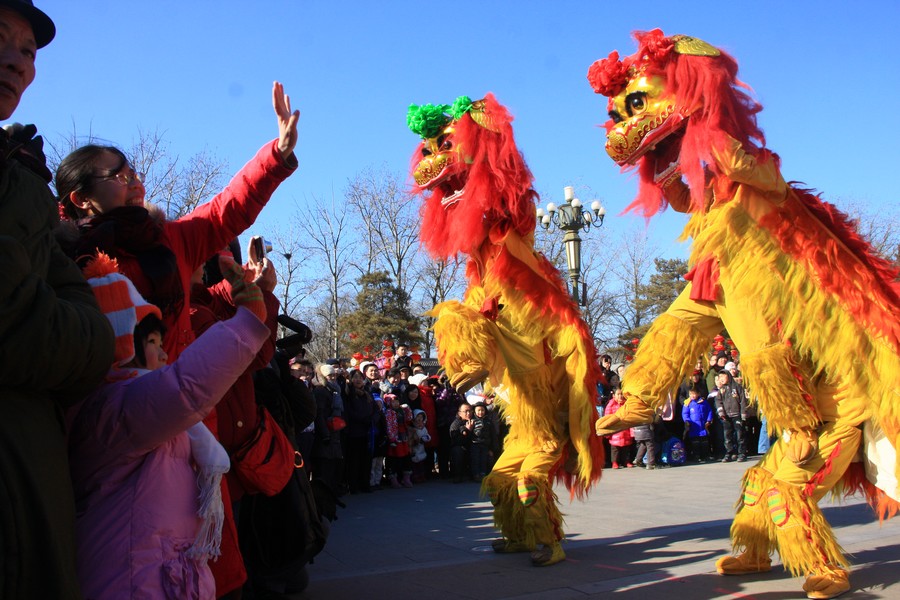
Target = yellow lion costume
(517,325)
(812,310)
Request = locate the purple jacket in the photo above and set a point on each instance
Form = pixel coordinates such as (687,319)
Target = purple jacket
(136,494)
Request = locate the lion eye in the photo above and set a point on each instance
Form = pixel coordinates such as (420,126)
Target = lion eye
(636,102)
(444,143)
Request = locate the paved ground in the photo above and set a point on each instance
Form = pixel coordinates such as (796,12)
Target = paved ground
(641,534)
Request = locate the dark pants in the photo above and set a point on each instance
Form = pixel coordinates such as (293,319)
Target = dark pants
(735,438)
(358,464)
(648,447)
(621,455)
(459,462)
(700,447)
(478,457)
(443,451)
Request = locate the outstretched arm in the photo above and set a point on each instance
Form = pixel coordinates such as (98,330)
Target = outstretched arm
(287,120)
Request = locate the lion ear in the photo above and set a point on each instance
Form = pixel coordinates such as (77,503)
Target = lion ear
(685,44)
(478,114)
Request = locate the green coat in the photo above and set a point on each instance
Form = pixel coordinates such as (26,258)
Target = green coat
(55,345)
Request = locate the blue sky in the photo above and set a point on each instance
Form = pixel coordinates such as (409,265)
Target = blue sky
(201,71)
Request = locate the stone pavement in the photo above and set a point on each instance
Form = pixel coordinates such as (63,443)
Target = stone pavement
(641,534)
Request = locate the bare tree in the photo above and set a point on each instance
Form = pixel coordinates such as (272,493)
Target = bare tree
(388,223)
(328,245)
(175,184)
(880,228)
(439,281)
(635,261)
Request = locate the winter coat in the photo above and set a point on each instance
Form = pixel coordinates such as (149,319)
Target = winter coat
(327,443)
(233,420)
(397,421)
(194,238)
(620,438)
(731,401)
(696,414)
(359,409)
(56,345)
(135,485)
(428,406)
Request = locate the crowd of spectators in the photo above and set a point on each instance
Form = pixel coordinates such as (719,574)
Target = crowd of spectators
(396,427)
(711,415)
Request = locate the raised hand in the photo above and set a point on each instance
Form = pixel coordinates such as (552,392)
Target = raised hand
(287,120)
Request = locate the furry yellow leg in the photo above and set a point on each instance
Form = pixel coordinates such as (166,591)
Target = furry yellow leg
(540,522)
(782,397)
(666,355)
(805,539)
(753,531)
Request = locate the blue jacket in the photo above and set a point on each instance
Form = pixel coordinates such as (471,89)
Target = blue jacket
(696,414)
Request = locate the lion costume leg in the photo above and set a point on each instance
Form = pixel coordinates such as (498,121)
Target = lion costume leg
(778,510)
(525,507)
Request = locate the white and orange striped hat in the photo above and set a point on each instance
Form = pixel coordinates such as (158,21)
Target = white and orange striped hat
(120,302)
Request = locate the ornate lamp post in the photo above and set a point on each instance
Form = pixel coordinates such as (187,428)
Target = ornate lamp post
(571,218)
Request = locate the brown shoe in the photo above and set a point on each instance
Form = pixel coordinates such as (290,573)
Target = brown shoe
(826,582)
(743,564)
(548,555)
(504,546)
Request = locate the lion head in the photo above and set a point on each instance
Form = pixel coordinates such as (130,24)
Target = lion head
(471,174)
(670,104)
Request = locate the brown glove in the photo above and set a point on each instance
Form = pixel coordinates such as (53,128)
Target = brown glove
(244,293)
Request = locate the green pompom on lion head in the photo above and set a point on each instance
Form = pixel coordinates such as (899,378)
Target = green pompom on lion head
(427,120)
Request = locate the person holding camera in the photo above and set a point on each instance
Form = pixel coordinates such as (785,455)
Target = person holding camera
(102,195)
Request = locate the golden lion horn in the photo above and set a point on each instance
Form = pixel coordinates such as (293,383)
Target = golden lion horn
(685,44)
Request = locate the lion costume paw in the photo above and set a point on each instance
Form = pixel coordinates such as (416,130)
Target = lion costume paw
(826,582)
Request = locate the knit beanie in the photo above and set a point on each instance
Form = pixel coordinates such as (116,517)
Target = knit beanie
(119,301)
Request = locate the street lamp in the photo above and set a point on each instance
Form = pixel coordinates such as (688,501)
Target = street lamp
(570,218)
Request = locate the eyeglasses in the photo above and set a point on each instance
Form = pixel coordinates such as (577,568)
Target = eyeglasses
(124,177)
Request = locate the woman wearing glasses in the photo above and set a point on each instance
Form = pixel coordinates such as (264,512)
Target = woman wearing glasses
(100,192)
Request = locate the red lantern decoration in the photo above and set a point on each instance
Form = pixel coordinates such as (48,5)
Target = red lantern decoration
(628,357)
(635,341)
(367,349)
(353,335)
(358,356)
(719,338)
(734,353)
(729,343)
(387,343)
(387,353)
(719,347)
(415,357)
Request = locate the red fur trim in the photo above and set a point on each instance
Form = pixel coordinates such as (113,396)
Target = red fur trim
(854,481)
(822,238)
(823,472)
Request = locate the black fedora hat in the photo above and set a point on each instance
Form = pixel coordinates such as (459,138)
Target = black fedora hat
(43,28)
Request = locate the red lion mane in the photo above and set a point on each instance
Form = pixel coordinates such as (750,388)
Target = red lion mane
(720,106)
(498,187)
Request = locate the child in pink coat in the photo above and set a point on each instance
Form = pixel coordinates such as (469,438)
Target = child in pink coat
(620,442)
(145,469)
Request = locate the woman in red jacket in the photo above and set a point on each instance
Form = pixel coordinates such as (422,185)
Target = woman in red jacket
(103,195)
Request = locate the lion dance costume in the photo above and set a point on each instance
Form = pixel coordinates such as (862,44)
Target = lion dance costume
(812,310)
(517,326)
